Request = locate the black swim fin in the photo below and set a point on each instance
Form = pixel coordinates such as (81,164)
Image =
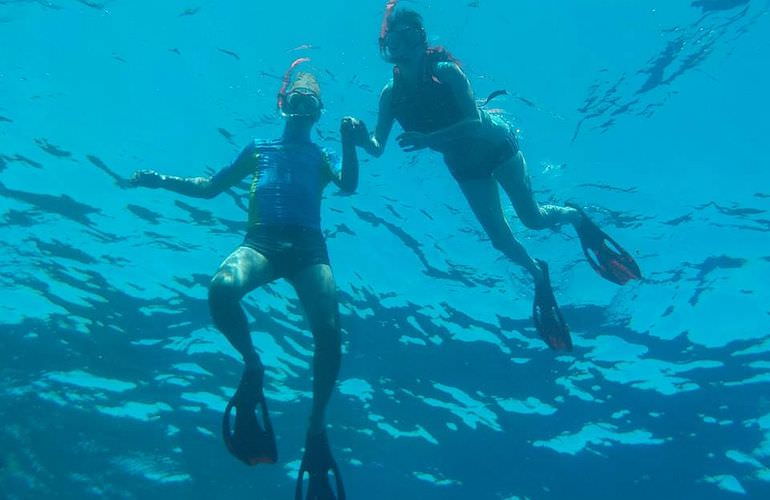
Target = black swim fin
(613,264)
(318,462)
(546,315)
(249,441)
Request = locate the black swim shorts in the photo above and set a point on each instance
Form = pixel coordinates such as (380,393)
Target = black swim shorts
(289,249)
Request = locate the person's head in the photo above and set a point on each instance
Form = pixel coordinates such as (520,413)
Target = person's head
(300,97)
(403,36)
(303,98)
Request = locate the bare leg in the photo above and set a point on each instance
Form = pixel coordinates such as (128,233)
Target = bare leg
(243,271)
(318,293)
(514,179)
(484,199)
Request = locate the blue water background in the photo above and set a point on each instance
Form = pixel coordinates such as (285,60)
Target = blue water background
(651,114)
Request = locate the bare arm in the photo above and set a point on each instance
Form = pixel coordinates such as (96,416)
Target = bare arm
(376,143)
(349,175)
(346,178)
(200,187)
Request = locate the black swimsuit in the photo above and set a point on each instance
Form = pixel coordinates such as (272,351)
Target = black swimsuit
(288,248)
(430,106)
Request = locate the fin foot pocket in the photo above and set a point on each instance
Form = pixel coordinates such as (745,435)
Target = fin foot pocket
(610,260)
(318,462)
(250,442)
(546,315)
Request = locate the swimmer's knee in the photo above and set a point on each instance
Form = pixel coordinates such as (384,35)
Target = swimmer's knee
(504,243)
(223,288)
(499,245)
(534,223)
(533,220)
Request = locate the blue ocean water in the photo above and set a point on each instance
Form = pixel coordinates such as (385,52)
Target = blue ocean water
(651,114)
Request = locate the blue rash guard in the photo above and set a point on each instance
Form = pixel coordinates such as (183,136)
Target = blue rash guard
(288,180)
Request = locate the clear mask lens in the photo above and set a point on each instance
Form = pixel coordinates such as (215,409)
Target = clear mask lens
(302,102)
(403,38)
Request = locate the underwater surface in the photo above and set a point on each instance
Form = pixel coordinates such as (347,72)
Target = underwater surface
(652,114)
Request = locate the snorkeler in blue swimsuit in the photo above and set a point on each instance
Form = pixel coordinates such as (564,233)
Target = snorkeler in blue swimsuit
(432,100)
(283,240)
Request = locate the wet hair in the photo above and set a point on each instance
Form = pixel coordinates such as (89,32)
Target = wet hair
(307,81)
(406,17)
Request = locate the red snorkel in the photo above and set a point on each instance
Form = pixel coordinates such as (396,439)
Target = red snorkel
(287,82)
(389,6)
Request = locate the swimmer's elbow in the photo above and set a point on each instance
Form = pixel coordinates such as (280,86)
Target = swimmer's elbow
(209,190)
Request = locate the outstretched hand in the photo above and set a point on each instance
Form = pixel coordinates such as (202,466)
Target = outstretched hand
(355,130)
(145,178)
(413,141)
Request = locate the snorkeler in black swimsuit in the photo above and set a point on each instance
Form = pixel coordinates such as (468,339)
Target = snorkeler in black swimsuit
(432,100)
